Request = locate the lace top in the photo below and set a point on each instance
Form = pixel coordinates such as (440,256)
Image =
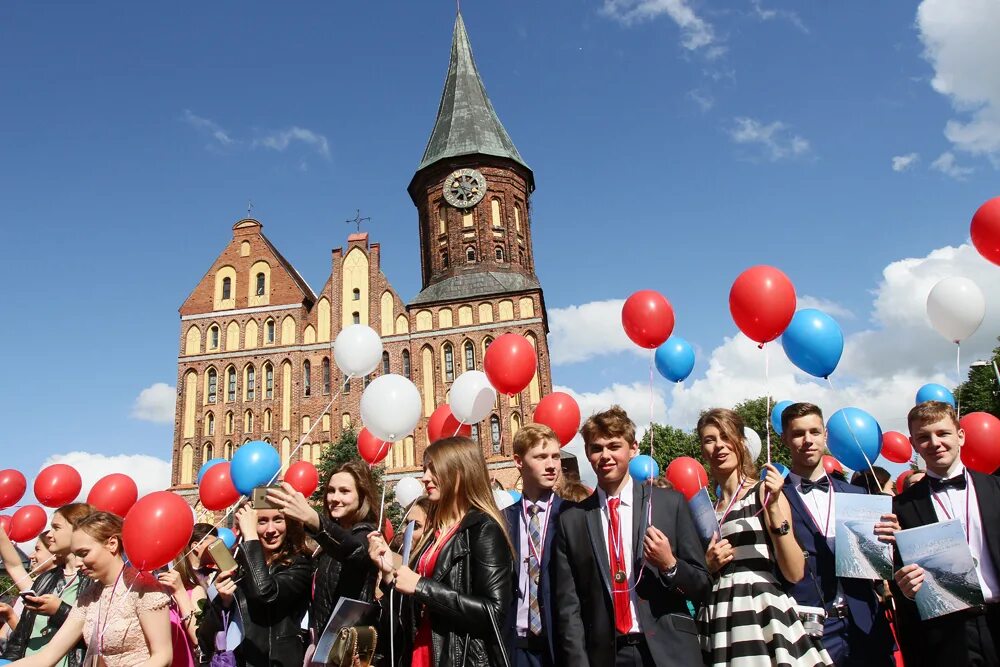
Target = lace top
(111,618)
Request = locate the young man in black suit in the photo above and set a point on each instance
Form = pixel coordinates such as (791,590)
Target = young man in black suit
(855,631)
(530,523)
(626,560)
(949,491)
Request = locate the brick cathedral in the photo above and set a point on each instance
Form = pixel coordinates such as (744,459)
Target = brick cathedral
(256,360)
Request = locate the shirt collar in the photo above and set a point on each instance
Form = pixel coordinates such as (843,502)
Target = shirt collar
(956,469)
(625,495)
(541,504)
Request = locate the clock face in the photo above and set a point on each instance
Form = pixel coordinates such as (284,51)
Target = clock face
(464,188)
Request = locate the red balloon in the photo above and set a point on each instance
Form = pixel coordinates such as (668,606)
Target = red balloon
(832,465)
(561,413)
(216,489)
(371,449)
(648,318)
(901,480)
(981,450)
(443,424)
(303,477)
(12,486)
(388,532)
(27,523)
(5,524)
(157,529)
(896,447)
(687,475)
(510,363)
(986,230)
(57,485)
(115,493)
(762,302)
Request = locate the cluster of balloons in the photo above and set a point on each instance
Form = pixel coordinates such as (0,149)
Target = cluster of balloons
(221,483)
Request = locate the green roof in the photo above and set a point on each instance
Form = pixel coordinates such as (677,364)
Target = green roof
(466,122)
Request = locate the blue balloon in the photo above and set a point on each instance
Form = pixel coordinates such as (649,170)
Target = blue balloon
(776,411)
(205,466)
(228,537)
(853,436)
(675,359)
(814,342)
(935,392)
(643,468)
(516,495)
(4,662)
(254,464)
(780,467)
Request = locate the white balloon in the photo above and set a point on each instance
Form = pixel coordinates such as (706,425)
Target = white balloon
(502,499)
(407,490)
(357,350)
(472,397)
(390,407)
(956,307)
(752,440)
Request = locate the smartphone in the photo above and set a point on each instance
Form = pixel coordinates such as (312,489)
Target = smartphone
(28,593)
(220,554)
(259,499)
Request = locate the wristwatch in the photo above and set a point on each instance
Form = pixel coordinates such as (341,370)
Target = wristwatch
(669,574)
(783,529)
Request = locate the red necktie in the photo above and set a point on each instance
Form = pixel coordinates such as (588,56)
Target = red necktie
(619,585)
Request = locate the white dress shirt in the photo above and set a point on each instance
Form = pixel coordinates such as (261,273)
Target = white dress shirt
(522,578)
(625,526)
(954,502)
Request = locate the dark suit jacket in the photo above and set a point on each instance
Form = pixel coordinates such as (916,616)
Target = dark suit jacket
(581,583)
(861,599)
(521,551)
(941,641)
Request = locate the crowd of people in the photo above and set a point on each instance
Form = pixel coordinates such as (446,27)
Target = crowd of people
(617,575)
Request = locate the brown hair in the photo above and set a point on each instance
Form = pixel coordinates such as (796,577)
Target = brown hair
(75,512)
(797,411)
(573,490)
(662,483)
(102,526)
(531,435)
(929,412)
(730,426)
(367,498)
(183,566)
(463,482)
(612,423)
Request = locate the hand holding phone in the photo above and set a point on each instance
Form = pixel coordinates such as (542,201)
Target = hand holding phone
(221,555)
(30,593)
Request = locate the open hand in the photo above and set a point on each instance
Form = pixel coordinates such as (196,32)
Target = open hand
(719,553)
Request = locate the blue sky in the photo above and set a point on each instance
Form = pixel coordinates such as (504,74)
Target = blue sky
(674,143)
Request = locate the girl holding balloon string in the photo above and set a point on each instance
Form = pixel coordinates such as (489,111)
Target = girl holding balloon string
(748,615)
(123,618)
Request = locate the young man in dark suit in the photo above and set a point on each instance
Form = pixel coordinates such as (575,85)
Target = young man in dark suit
(530,523)
(855,631)
(949,491)
(626,559)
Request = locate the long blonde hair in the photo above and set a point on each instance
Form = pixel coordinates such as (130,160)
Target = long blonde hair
(463,482)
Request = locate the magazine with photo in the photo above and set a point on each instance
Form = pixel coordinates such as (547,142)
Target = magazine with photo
(859,553)
(703,513)
(950,580)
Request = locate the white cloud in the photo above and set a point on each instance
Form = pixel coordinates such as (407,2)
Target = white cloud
(947,165)
(214,130)
(831,308)
(149,472)
(280,140)
(155,404)
(696,33)
(960,41)
(882,367)
(904,162)
(774,14)
(579,333)
(775,139)
(703,99)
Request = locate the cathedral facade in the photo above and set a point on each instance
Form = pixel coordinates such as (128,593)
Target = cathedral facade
(256,358)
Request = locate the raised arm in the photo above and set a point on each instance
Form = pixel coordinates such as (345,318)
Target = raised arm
(787,551)
(12,563)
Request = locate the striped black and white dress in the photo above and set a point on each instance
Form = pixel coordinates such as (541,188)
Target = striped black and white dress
(749,621)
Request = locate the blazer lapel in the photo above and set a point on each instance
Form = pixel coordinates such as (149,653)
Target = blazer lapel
(987,499)
(640,498)
(922,503)
(550,531)
(798,507)
(598,540)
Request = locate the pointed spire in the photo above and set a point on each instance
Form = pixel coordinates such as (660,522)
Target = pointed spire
(466,122)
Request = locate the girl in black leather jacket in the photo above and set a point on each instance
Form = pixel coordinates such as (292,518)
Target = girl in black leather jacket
(270,589)
(456,590)
(342,565)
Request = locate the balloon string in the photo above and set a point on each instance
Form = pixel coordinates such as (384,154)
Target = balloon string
(652,353)
(767,395)
(305,437)
(381,509)
(27,575)
(996,372)
(958,372)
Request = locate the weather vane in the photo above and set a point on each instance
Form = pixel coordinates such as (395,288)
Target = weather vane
(358,220)
(249,208)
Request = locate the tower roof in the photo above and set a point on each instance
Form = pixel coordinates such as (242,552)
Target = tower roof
(466,122)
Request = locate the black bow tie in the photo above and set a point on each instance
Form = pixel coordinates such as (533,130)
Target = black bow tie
(820,485)
(945,484)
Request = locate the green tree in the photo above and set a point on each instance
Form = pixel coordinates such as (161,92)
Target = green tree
(339,453)
(979,392)
(754,412)
(670,442)
(6,583)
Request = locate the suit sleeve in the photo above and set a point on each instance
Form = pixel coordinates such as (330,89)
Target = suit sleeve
(692,579)
(570,639)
